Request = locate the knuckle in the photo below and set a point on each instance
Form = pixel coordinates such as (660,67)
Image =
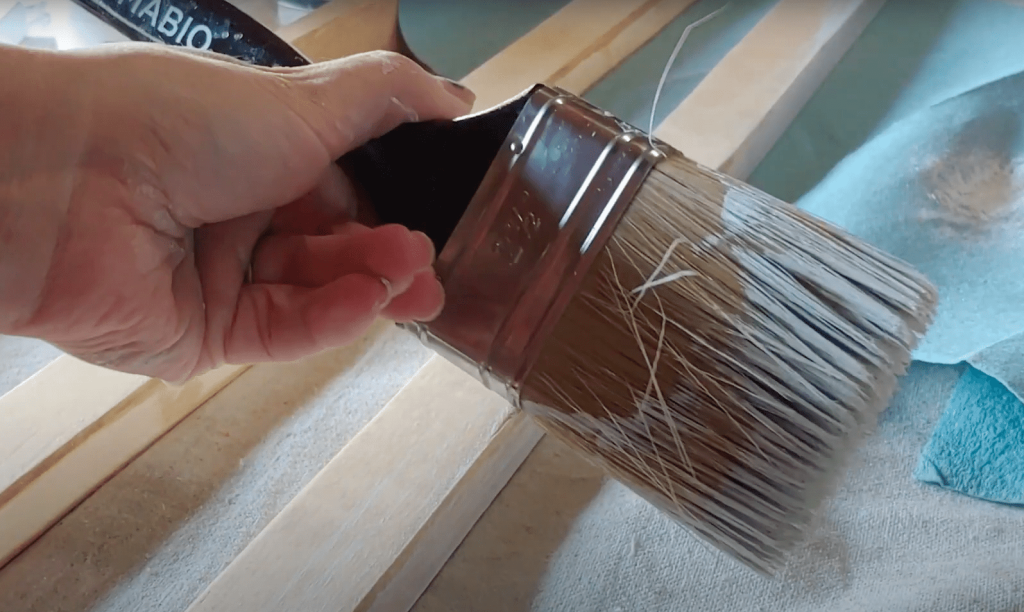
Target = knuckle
(391,61)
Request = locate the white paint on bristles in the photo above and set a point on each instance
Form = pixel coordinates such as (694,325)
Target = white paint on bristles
(732,395)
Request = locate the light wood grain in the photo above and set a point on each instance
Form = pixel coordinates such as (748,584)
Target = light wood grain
(70,427)
(66,430)
(358,537)
(574,48)
(345,27)
(738,112)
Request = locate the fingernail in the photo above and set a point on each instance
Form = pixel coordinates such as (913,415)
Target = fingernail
(388,294)
(410,114)
(434,315)
(429,244)
(459,90)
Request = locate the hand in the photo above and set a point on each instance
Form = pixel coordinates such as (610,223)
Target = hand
(138,184)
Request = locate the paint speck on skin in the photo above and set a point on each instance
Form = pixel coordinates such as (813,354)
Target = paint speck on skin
(154,251)
(344,130)
(387,64)
(165,224)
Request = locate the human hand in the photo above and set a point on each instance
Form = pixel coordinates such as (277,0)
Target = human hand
(138,184)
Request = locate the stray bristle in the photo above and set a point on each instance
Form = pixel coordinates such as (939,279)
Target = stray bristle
(724,355)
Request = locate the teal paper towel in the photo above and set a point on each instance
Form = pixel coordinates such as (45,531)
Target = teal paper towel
(944,190)
(978,445)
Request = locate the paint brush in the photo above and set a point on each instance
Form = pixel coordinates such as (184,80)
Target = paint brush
(715,349)
(718,351)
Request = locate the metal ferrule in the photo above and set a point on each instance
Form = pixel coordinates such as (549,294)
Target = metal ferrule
(546,207)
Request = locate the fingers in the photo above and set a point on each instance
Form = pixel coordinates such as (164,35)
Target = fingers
(389,251)
(222,255)
(309,293)
(350,101)
(270,137)
(422,301)
(284,323)
(275,322)
(330,203)
(392,252)
(223,252)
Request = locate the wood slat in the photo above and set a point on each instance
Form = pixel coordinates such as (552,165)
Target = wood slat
(574,48)
(778,66)
(368,532)
(70,427)
(345,27)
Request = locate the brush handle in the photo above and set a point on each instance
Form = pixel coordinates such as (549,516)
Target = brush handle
(210,25)
(421,175)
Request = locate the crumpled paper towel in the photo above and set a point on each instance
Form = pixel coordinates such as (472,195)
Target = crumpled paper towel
(978,445)
(944,190)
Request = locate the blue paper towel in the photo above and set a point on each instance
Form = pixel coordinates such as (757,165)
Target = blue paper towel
(944,189)
(978,444)
(977,447)
(1004,361)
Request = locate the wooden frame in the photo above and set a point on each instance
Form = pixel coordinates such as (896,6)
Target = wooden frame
(404,512)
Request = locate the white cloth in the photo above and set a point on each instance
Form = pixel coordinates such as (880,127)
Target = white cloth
(887,544)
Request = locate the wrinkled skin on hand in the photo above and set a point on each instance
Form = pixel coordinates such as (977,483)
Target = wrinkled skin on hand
(139,183)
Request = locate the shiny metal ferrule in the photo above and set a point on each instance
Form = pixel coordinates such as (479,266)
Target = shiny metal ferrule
(552,197)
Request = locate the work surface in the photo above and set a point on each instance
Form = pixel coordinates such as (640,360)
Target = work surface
(560,536)
(888,544)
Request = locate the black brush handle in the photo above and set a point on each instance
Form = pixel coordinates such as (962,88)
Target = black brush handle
(210,25)
(420,175)
(423,175)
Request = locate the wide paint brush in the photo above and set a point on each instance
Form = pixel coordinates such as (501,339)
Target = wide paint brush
(717,350)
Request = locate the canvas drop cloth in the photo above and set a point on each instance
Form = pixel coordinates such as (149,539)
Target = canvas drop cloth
(888,544)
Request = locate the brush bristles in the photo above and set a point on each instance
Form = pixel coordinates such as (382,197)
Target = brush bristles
(731,394)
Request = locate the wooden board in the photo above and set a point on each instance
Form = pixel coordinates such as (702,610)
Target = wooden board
(574,48)
(72,425)
(344,542)
(345,27)
(357,538)
(66,430)
(778,66)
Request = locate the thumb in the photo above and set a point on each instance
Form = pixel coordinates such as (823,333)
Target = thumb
(350,101)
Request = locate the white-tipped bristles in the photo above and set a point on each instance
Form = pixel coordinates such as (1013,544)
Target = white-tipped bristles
(724,356)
